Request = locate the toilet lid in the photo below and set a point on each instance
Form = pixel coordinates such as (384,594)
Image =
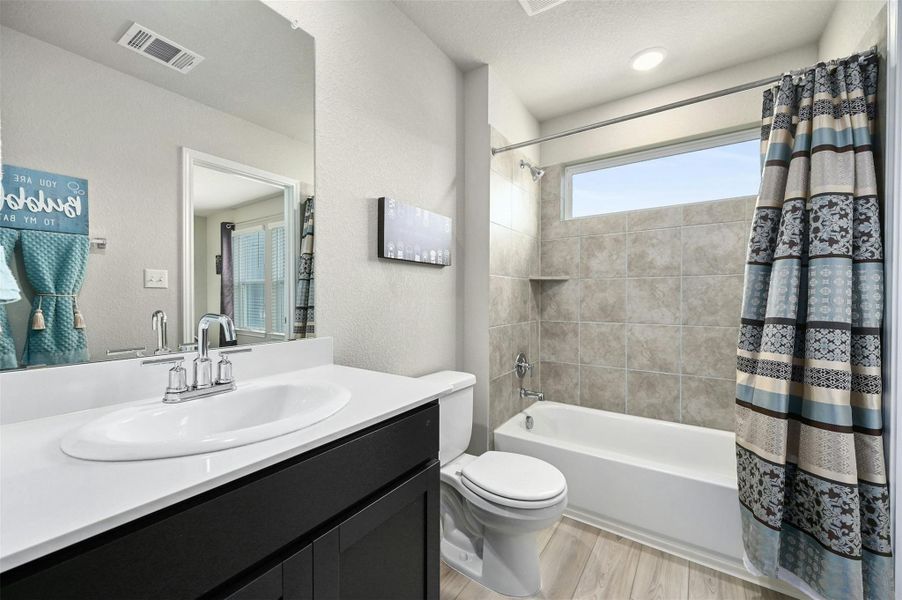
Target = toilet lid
(514,476)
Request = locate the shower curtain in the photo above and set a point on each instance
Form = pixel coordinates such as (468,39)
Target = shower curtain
(303,311)
(226,280)
(812,480)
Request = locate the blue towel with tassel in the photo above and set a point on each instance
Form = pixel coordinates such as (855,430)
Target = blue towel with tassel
(8,239)
(55,264)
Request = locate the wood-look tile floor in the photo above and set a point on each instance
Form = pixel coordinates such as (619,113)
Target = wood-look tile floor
(580,561)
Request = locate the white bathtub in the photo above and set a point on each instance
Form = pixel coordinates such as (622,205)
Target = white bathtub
(663,484)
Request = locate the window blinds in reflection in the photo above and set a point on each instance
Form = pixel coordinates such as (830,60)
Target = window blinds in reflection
(258,254)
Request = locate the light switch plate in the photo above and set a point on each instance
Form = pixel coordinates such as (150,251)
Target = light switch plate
(156,278)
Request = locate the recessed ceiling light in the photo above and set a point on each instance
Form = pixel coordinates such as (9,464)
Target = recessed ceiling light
(648,59)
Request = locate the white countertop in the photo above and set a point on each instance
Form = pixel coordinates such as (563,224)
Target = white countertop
(49,500)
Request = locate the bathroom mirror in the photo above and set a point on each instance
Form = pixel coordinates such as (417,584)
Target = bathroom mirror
(157,165)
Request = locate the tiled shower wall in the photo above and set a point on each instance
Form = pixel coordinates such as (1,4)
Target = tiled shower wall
(647,322)
(513,257)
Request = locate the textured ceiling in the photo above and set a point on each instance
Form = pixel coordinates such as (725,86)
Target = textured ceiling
(255,65)
(577,54)
(214,191)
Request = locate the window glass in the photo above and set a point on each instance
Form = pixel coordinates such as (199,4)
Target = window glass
(724,171)
(249,257)
(277,269)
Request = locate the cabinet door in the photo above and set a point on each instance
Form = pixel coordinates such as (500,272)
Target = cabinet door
(297,575)
(265,587)
(389,549)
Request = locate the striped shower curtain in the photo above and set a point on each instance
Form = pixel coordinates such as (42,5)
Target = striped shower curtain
(304,324)
(809,449)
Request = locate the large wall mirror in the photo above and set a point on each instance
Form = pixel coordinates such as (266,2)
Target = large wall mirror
(157,165)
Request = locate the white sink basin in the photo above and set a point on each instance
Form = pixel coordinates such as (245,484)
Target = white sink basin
(252,413)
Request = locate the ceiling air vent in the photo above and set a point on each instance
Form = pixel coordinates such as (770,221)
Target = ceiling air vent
(159,49)
(534,7)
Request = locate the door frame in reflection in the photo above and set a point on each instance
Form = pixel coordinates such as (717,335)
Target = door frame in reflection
(291,190)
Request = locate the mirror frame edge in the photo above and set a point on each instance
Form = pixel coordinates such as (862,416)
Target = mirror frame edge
(292,197)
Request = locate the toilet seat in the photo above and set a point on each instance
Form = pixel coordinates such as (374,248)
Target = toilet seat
(514,480)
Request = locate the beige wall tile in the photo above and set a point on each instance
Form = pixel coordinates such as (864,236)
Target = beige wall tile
(709,402)
(602,344)
(535,300)
(653,395)
(712,300)
(602,256)
(499,351)
(499,199)
(560,382)
(522,176)
(718,249)
(602,300)
(653,300)
(500,299)
(602,388)
(559,300)
(525,209)
(653,348)
(500,250)
(601,224)
(534,378)
(520,299)
(654,218)
(560,257)
(717,211)
(503,163)
(550,208)
(520,334)
(524,255)
(710,351)
(654,253)
(560,342)
(500,405)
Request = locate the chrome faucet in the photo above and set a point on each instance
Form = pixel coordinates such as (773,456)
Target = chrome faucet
(531,395)
(203,366)
(158,322)
(178,389)
(521,368)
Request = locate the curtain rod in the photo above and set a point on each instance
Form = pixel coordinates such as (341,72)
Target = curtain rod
(678,104)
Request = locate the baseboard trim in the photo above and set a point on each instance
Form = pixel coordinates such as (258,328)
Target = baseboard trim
(716,561)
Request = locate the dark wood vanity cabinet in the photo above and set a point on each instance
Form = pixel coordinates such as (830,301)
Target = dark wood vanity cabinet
(358,518)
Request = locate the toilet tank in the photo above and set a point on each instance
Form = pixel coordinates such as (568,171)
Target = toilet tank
(455,412)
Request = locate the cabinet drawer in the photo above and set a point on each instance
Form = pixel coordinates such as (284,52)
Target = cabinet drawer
(191,548)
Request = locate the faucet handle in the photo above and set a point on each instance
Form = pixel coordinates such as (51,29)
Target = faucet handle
(178,379)
(224,370)
(178,376)
(522,366)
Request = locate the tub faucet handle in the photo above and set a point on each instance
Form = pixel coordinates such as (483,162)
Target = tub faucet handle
(522,366)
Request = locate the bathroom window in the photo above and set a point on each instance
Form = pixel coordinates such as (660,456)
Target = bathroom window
(258,258)
(714,168)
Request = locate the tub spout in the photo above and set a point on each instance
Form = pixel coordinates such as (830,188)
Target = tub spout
(531,395)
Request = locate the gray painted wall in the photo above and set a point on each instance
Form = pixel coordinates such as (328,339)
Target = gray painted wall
(389,122)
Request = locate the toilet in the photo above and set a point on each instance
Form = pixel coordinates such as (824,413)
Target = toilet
(493,506)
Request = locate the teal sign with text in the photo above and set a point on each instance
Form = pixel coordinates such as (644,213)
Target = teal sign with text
(43,201)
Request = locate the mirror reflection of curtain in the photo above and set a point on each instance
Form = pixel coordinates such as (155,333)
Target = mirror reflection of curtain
(304,325)
(227,279)
(55,264)
(8,238)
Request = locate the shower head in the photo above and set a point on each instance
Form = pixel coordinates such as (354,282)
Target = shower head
(534,171)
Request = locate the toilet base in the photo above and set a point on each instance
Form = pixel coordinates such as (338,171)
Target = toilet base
(509,563)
